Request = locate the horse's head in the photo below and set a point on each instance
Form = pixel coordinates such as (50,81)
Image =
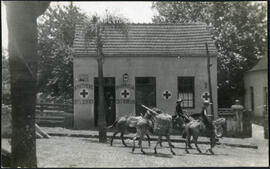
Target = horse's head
(148,115)
(218,124)
(157,110)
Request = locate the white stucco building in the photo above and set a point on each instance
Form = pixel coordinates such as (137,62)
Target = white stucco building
(256,87)
(153,64)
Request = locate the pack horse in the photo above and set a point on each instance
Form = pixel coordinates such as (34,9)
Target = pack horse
(155,123)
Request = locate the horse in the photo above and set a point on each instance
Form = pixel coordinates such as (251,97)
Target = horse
(125,125)
(179,124)
(154,123)
(195,127)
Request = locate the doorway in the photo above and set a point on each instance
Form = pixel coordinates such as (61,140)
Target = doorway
(145,93)
(109,96)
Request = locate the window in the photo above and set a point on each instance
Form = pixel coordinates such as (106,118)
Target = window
(252,98)
(186,91)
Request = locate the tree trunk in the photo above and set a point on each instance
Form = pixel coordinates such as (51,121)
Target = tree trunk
(101,113)
(22,48)
(209,82)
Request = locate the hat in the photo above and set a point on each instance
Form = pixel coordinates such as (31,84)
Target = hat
(207,102)
(179,100)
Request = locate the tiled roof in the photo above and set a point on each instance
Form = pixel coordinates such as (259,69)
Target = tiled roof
(261,65)
(149,39)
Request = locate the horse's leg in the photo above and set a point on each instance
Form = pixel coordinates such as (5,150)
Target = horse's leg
(139,142)
(158,142)
(170,144)
(187,142)
(212,143)
(148,138)
(114,134)
(196,143)
(141,139)
(133,148)
(122,138)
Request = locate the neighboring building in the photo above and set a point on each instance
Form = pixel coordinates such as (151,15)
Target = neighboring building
(256,87)
(152,64)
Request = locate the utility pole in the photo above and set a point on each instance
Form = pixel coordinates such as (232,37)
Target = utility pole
(209,81)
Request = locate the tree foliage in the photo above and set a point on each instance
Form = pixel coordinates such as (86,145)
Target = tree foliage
(5,78)
(56,34)
(239,30)
(5,69)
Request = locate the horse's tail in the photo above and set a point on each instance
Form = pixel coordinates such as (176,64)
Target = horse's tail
(113,125)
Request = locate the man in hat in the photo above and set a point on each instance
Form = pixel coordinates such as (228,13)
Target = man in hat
(208,123)
(204,114)
(179,111)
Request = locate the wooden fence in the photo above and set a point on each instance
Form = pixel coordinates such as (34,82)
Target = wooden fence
(54,115)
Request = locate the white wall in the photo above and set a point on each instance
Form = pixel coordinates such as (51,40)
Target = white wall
(165,69)
(258,80)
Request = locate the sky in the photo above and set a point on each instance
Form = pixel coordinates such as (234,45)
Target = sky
(134,11)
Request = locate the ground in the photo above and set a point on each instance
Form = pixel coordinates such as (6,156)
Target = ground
(64,151)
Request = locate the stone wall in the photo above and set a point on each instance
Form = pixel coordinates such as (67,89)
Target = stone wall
(238,121)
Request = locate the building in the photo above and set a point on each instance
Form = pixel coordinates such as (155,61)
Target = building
(256,87)
(150,64)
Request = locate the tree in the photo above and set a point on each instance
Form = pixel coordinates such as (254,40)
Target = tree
(56,31)
(22,49)
(94,32)
(239,30)
(5,78)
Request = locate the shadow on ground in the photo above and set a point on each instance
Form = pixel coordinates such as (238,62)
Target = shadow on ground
(153,154)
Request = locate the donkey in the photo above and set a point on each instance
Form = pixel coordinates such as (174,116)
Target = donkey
(195,127)
(154,123)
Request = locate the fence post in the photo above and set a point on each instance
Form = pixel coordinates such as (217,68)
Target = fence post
(238,110)
(265,124)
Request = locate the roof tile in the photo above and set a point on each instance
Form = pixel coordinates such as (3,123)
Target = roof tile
(148,39)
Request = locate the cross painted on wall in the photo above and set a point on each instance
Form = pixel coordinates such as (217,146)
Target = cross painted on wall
(205,96)
(125,93)
(167,94)
(84,93)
